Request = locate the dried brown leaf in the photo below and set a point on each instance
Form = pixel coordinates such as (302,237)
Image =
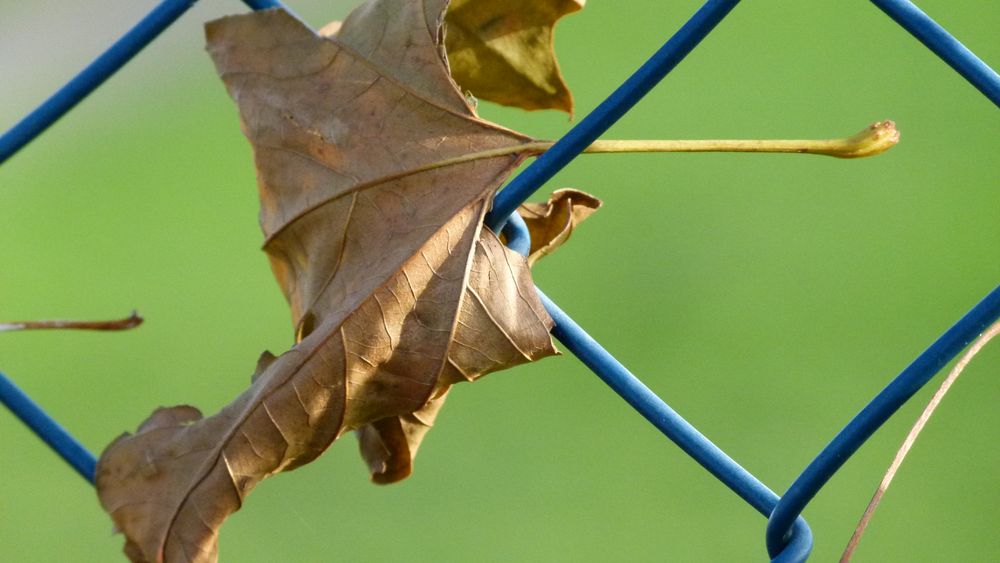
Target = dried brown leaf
(389,445)
(503,51)
(550,224)
(373,226)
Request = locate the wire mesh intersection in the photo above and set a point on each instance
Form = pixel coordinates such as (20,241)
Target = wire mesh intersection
(788,536)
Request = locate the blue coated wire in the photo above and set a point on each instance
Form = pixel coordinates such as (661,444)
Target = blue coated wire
(608,112)
(866,422)
(518,236)
(47,428)
(263,4)
(657,412)
(108,63)
(951,50)
(91,77)
(673,426)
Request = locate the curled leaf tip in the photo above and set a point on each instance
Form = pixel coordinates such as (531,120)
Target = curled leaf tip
(874,139)
(551,224)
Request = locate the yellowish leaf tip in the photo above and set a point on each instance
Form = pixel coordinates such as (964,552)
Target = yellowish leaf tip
(874,139)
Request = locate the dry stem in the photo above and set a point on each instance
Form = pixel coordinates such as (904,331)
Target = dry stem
(904,449)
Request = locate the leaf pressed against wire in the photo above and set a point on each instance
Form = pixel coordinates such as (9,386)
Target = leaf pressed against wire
(374,233)
(388,445)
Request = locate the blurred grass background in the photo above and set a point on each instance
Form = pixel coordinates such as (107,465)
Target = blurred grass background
(765,297)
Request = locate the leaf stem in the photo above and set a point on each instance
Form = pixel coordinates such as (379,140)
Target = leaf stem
(918,427)
(126,323)
(872,140)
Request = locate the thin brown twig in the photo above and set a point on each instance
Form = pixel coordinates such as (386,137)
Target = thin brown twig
(904,449)
(126,323)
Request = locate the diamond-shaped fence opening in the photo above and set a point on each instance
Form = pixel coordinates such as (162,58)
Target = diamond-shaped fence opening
(788,537)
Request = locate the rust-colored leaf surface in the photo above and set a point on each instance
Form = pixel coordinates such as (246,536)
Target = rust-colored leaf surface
(502,51)
(373,226)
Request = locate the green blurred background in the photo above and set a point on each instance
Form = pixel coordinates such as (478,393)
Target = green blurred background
(765,297)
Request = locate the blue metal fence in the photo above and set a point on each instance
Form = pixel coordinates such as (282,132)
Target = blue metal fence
(788,536)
